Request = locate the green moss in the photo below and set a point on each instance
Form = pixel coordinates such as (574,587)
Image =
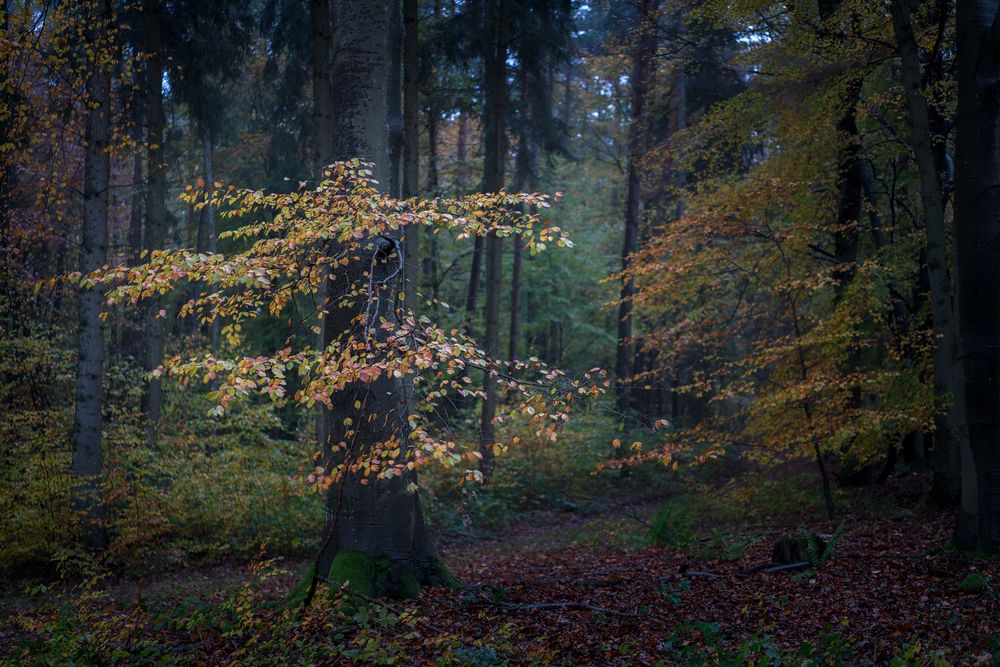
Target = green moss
(407,584)
(298,595)
(442,575)
(974,583)
(361,572)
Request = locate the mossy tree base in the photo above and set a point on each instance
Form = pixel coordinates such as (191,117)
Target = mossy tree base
(375,577)
(380,576)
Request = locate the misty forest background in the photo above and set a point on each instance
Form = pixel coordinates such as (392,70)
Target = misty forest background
(500,332)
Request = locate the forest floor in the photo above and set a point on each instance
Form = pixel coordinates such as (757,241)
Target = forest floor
(572,590)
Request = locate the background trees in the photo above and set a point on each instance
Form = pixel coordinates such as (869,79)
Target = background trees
(768,205)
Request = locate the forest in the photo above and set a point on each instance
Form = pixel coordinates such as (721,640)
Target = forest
(500,332)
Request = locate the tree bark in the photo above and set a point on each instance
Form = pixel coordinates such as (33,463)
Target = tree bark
(155,232)
(950,429)
(88,419)
(379,519)
(411,145)
(322,85)
(642,65)
(494,161)
(206,220)
(977,213)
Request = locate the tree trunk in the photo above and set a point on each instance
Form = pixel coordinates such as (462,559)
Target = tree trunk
(88,418)
(322,91)
(494,160)
(950,432)
(132,338)
(642,64)
(376,521)
(206,219)
(322,85)
(155,232)
(525,172)
(411,145)
(977,214)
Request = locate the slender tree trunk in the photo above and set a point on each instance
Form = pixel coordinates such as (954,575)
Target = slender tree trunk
(206,219)
(155,232)
(322,85)
(322,91)
(411,146)
(977,214)
(524,181)
(379,520)
(950,430)
(497,23)
(430,258)
(132,338)
(642,65)
(88,418)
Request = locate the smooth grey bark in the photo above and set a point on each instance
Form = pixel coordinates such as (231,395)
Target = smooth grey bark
(642,66)
(411,143)
(494,162)
(381,518)
(977,214)
(950,429)
(88,419)
(155,231)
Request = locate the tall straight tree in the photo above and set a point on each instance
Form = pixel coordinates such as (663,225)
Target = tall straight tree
(977,214)
(950,427)
(379,520)
(322,94)
(411,141)
(641,75)
(88,419)
(494,163)
(155,231)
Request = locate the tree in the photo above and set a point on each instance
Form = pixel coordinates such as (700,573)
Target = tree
(950,428)
(88,417)
(155,229)
(977,214)
(497,24)
(411,138)
(639,80)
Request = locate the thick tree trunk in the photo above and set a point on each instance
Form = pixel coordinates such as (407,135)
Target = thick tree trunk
(977,213)
(495,153)
(155,232)
(411,145)
(377,521)
(950,431)
(88,419)
(642,65)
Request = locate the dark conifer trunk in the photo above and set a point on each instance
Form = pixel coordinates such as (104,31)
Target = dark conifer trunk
(642,66)
(155,232)
(88,418)
(494,161)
